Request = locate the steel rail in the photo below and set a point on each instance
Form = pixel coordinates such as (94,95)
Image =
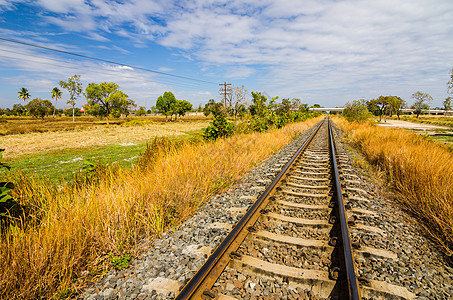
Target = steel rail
(222,252)
(353,285)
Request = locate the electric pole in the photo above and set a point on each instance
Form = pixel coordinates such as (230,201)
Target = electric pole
(225,90)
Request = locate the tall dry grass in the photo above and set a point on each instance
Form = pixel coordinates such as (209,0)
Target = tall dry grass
(71,229)
(420,171)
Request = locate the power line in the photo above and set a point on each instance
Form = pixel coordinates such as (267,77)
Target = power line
(104,60)
(186,85)
(170,81)
(225,89)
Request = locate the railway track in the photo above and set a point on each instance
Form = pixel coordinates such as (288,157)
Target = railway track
(298,233)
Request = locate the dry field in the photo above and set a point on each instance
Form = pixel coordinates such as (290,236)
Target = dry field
(92,134)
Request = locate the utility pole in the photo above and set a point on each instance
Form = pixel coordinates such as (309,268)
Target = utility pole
(224,89)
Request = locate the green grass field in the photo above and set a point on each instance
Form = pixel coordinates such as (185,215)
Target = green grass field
(62,164)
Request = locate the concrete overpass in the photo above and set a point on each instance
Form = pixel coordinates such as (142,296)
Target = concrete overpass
(405,110)
(327,109)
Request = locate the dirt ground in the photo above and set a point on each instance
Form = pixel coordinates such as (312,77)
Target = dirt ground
(410,125)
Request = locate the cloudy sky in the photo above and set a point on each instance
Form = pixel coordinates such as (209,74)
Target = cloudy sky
(322,51)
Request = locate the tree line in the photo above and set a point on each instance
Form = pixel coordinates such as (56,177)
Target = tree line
(360,110)
(104,100)
(383,106)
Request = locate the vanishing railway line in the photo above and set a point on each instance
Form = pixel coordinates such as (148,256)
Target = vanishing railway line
(299,230)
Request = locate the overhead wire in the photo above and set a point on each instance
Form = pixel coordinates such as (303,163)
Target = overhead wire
(156,79)
(105,61)
(163,78)
(92,71)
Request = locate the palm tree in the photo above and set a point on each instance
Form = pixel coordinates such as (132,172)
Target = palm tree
(23,94)
(56,93)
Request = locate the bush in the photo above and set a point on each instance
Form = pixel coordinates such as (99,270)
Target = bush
(141,111)
(68,112)
(356,111)
(259,124)
(219,127)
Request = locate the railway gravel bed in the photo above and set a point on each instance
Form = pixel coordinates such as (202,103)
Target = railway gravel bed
(411,261)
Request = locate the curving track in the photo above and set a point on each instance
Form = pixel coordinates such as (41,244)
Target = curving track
(298,232)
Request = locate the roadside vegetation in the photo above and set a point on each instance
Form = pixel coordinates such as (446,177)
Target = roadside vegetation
(419,170)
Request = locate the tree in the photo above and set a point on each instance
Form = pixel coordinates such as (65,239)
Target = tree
(263,114)
(210,106)
(373,107)
(74,87)
(447,104)
(141,111)
(39,107)
(382,103)
(238,101)
(23,94)
(259,107)
(105,98)
(419,105)
(18,109)
(219,127)
(396,104)
(166,103)
(356,111)
(183,106)
(56,93)
(285,107)
(126,107)
(450,83)
(67,112)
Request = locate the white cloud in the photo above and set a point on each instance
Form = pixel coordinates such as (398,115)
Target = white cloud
(165,69)
(312,48)
(239,72)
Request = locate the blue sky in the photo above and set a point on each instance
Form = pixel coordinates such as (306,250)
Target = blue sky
(327,52)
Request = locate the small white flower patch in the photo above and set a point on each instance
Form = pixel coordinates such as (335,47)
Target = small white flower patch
(71,160)
(131,158)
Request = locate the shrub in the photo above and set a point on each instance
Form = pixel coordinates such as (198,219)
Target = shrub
(10,209)
(218,128)
(356,111)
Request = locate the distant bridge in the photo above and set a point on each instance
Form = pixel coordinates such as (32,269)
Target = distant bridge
(405,110)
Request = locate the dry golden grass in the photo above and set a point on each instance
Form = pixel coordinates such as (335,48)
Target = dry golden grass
(35,142)
(420,170)
(72,228)
(21,125)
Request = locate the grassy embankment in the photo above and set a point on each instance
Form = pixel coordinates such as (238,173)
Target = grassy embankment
(71,229)
(419,169)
